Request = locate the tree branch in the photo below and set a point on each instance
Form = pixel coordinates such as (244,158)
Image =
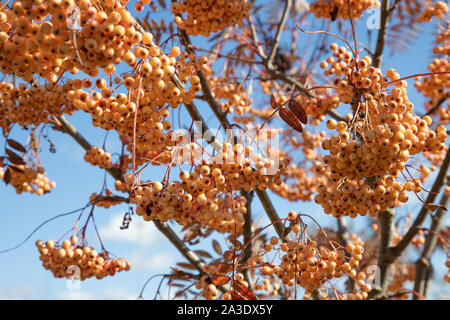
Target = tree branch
(423,264)
(396,251)
(273,49)
(193,258)
(247,236)
(377,58)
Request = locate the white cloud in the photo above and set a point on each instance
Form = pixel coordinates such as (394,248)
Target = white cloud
(118,294)
(18,293)
(142,261)
(76,295)
(139,231)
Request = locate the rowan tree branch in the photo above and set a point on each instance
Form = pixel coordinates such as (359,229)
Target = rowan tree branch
(385,14)
(438,104)
(276,41)
(396,251)
(247,236)
(423,264)
(215,107)
(192,257)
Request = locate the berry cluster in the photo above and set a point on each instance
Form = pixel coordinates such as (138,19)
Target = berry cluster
(194,200)
(27,179)
(232,91)
(209,16)
(339,8)
(310,266)
(377,142)
(43,38)
(33,105)
(98,157)
(434,87)
(66,260)
(443,39)
(434,10)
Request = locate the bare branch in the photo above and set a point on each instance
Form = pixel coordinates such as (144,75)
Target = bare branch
(396,251)
(423,264)
(273,49)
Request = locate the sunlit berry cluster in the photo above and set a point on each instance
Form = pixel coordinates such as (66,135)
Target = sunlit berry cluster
(193,200)
(401,273)
(33,105)
(45,38)
(24,178)
(98,157)
(79,262)
(443,39)
(339,8)
(209,16)
(433,10)
(435,87)
(234,93)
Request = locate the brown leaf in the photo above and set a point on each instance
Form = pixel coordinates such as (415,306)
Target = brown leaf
(16,145)
(298,110)
(7,176)
(17,169)
(290,119)
(220,280)
(224,268)
(186,266)
(13,157)
(244,291)
(217,247)
(433,207)
(203,253)
(180,293)
(273,101)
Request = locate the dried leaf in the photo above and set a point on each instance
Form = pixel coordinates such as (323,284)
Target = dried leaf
(220,280)
(290,119)
(7,176)
(17,169)
(186,266)
(244,291)
(224,268)
(216,247)
(203,253)
(16,145)
(298,110)
(433,207)
(273,101)
(13,157)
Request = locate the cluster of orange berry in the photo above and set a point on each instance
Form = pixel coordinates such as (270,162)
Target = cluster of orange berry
(27,179)
(232,91)
(388,132)
(443,38)
(78,262)
(193,200)
(339,8)
(434,87)
(43,38)
(107,200)
(434,10)
(33,105)
(401,273)
(310,266)
(208,16)
(98,157)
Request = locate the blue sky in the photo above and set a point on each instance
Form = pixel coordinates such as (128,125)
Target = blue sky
(23,277)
